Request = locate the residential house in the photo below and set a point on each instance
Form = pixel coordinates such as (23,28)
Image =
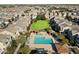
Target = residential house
(5,41)
(3,23)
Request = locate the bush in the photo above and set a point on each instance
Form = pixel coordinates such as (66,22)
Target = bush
(24,50)
(10,50)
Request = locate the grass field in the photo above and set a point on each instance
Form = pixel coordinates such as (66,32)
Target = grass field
(40,25)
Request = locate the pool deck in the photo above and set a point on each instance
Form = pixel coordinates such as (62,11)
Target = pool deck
(45,46)
(32,37)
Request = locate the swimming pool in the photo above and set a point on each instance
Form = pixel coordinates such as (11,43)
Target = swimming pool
(39,39)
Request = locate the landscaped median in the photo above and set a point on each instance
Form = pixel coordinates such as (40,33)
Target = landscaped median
(40,25)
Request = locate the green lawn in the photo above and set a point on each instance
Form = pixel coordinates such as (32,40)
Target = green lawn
(40,25)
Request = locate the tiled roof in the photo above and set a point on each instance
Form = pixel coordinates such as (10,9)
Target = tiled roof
(62,48)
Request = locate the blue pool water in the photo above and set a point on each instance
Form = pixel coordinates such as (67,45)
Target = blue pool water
(42,40)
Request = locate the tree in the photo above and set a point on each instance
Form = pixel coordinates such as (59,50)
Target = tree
(9,21)
(54,25)
(22,15)
(52,22)
(3,25)
(24,50)
(62,37)
(14,43)
(21,39)
(11,49)
(12,18)
(68,34)
(41,17)
(56,28)
(69,18)
(76,38)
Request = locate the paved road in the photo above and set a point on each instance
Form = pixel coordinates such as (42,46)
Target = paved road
(19,45)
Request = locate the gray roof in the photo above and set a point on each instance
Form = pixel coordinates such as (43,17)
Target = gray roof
(59,21)
(3,20)
(75,29)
